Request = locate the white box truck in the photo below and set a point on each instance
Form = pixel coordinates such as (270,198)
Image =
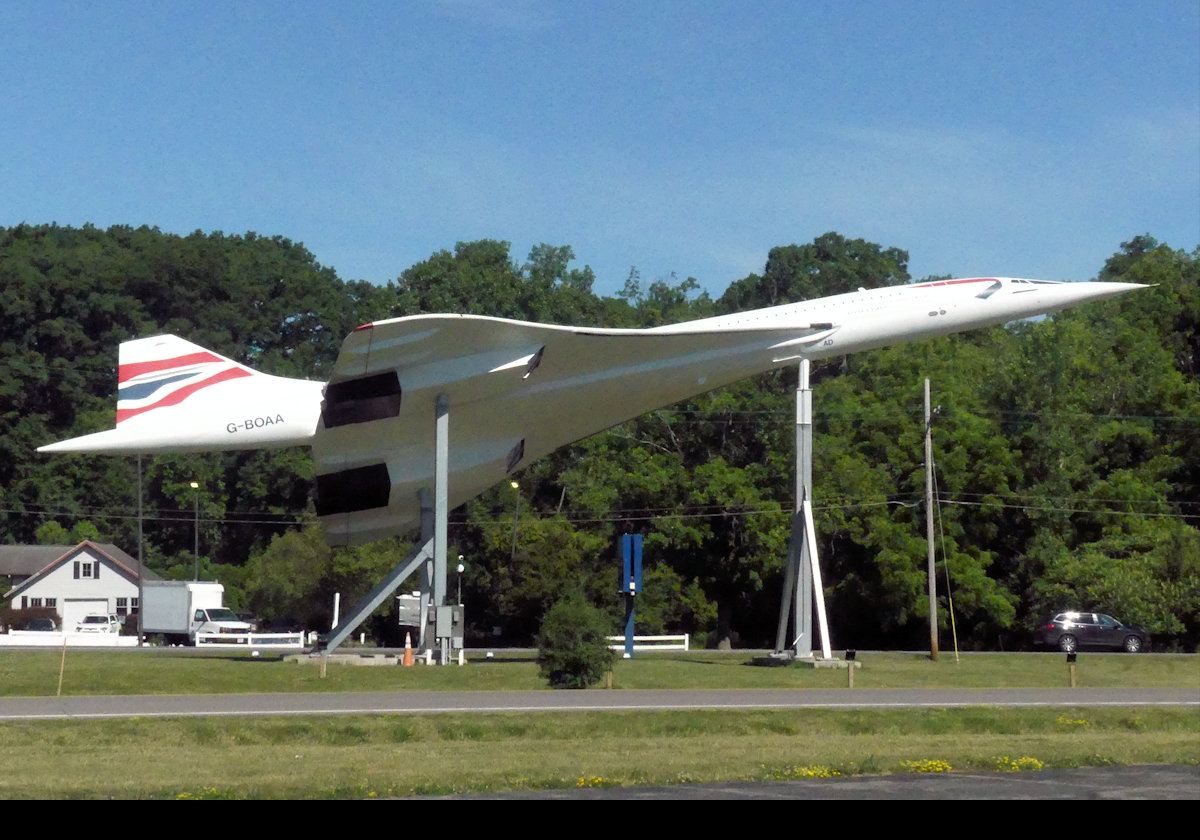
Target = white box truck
(182,609)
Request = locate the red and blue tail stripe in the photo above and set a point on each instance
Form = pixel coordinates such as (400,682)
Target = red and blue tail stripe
(145,386)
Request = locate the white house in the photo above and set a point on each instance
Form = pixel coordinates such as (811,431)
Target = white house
(89,578)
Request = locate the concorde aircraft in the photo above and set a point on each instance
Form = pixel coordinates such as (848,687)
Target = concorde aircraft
(511,391)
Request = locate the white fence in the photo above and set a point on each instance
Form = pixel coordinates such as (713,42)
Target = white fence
(32,638)
(650,643)
(242,641)
(36,638)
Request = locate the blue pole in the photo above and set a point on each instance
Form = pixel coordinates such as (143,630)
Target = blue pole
(631,582)
(627,579)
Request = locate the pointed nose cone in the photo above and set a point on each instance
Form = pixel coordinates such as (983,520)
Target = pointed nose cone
(1098,289)
(1073,294)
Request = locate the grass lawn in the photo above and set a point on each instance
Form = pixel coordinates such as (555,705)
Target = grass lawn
(397,755)
(87,672)
(361,756)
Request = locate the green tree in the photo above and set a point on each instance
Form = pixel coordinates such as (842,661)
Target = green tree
(51,533)
(283,580)
(830,265)
(1147,574)
(1067,448)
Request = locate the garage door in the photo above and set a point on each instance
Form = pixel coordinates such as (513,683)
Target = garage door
(74,609)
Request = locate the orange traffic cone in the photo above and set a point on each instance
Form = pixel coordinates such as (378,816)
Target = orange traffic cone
(408,659)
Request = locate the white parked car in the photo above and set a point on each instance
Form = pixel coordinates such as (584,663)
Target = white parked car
(99,624)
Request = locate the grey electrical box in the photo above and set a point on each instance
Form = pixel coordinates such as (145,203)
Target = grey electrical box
(449,622)
(408,610)
(444,630)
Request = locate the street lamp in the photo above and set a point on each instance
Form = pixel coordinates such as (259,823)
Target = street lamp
(516,513)
(461,569)
(196,545)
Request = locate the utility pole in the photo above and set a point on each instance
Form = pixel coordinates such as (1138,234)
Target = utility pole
(516,513)
(933,634)
(196,531)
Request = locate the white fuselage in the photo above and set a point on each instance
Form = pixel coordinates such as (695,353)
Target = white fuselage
(219,404)
(893,314)
(509,392)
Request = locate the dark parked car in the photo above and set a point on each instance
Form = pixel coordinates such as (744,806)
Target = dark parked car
(1069,631)
(41,625)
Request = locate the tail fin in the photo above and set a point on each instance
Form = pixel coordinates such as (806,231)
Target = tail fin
(175,396)
(163,371)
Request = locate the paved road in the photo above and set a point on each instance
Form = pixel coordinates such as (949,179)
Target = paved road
(1154,782)
(424,702)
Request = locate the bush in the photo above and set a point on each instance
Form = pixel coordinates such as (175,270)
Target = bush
(572,644)
(14,618)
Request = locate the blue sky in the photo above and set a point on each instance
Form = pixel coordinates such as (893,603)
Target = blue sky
(1011,138)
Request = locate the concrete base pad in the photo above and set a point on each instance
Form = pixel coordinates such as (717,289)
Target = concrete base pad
(783,660)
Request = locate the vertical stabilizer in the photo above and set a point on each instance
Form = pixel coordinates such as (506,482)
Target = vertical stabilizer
(175,396)
(163,371)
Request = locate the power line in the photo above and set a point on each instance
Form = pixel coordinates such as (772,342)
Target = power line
(1037,502)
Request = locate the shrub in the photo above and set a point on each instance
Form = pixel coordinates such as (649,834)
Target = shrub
(14,618)
(572,645)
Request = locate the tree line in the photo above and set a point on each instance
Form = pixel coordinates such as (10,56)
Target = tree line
(1067,449)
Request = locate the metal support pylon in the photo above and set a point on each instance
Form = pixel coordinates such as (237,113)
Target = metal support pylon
(429,553)
(802,577)
(434,513)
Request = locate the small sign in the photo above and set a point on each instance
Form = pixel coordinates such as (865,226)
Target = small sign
(631,567)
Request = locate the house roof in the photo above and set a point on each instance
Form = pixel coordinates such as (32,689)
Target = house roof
(34,562)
